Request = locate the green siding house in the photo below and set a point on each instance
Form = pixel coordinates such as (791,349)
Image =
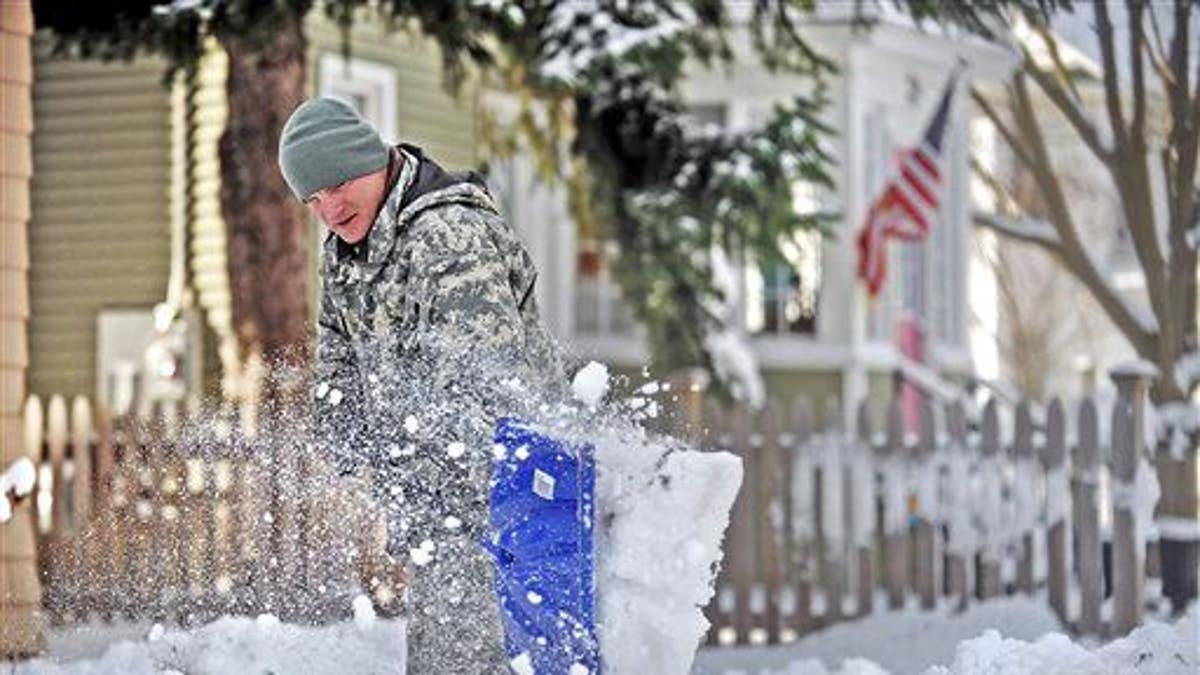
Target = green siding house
(125,210)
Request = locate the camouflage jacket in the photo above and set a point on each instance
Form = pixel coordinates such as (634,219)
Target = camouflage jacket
(440,284)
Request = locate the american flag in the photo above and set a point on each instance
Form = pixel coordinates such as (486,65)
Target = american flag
(909,202)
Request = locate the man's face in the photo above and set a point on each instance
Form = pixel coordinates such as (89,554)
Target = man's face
(349,209)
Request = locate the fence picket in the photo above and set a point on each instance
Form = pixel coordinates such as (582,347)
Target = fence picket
(1128,562)
(987,578)
(895,517)
(770,570)
(864,510)
(1053,457)
(958,519)
(1087,519)
(829,517)
(802,500)
(924,573)
(1022,491)
(184,528)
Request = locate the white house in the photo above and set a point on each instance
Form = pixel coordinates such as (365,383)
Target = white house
(810,323)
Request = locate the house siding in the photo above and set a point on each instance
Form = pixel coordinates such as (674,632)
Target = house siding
(100,230)
(442,124)
(107,183)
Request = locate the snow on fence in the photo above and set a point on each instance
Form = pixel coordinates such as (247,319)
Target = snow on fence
(840,522)
(137,520)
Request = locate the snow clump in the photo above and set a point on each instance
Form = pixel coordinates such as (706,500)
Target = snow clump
(591,384)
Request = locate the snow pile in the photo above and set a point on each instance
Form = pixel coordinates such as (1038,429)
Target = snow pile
(1153,649)
(946,642)
(666,512)
(907,641)
(661,511)
(242,645)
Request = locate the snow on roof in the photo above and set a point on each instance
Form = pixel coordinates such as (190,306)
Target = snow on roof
(1073,58)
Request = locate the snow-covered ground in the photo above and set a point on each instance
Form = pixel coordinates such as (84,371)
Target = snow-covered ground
(228,646)
(1012,636)
(1007,636)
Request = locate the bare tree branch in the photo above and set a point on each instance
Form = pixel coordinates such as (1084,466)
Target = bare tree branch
(1137,131)
(1070,109)
(1132,171)
(1060,67)
(1009,137)
(1157,50)
(1006,204)
(1185,118)
(1022,228)
(1112,89)
(1072,252)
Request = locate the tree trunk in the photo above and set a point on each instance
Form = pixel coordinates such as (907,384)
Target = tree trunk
(267,227)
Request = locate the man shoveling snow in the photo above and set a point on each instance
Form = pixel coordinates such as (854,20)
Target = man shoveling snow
(422,283)
(428,336)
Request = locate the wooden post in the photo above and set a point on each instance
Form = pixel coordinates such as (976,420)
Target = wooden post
(23,624)
(802,567)
(21,620)
(57,573)
(245,524)
(865,517)
(1053,457)
(58,434)
(1129,552)
(988,578)
(785,441)
(197,500)
(83,550)
(82,442)
(924,540)
(102,559)
(159,525)
(1087,519)
(895,517)
(1023,492)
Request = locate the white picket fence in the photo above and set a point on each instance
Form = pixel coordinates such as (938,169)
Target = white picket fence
(831,522)
(135,520)
(834,521)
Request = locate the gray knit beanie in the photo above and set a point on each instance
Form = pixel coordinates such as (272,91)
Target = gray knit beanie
(325,143)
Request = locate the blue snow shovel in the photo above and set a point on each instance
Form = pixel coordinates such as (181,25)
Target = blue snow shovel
(541,514)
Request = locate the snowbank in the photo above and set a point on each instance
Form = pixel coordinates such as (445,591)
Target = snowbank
(232,645)
(970,642)
(1153,649)
(664,515)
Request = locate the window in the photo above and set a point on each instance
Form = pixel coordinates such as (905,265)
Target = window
(782,297)
(599,307)
(369,87)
